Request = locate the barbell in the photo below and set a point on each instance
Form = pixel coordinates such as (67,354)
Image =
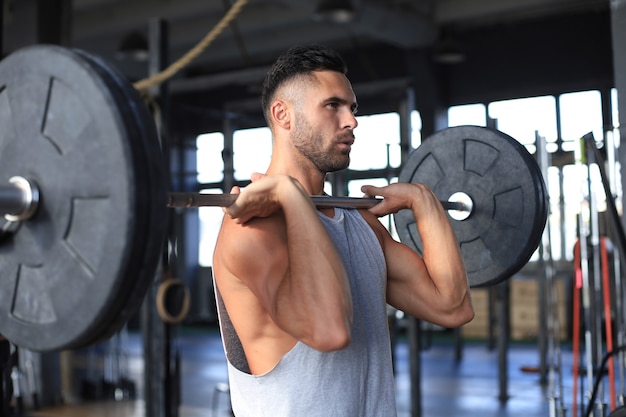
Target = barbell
(84,198)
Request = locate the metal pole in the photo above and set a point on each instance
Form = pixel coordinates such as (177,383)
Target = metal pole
(596,294)
(415,366)
(503,298)
(1,29)
(583,232)
(5,354)
(155,333)
(618,36)
(543,284)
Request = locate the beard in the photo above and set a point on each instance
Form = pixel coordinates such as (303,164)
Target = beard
(312,146)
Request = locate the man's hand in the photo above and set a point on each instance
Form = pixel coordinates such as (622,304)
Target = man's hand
(263,197)
(398,196)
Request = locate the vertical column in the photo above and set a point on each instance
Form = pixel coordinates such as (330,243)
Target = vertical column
(228,155)
(501,297)
(4,344)
(618,35)
(160,384)
(53,21)
(19,25)
(5,354)
(338,183)
(406,108)
(35,21)
(1,29)
(415,365)
(618,30)
(429,97)
(503,302)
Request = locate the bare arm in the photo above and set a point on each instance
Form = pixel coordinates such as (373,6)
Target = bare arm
(276,245)
(435,287)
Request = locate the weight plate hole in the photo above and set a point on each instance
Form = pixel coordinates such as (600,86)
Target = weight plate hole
(468,205)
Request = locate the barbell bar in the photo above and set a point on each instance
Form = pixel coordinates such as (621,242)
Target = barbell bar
(19,200)
(188,200)
(87,203)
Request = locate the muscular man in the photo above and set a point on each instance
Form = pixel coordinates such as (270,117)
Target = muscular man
(303,292)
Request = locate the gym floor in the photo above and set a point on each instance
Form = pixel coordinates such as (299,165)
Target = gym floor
(468,387)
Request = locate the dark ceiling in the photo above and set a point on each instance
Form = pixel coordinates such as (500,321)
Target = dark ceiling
(510,48)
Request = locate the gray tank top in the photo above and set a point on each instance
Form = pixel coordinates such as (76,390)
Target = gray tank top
(353,382)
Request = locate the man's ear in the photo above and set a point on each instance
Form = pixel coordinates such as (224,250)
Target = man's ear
(280,111)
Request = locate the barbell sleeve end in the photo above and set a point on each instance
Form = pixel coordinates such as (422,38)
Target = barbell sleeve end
(19,201)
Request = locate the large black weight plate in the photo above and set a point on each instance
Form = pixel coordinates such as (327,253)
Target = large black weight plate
(69,272)
(147,154)
(507,189)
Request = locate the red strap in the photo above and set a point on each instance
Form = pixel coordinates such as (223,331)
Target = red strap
(607,317)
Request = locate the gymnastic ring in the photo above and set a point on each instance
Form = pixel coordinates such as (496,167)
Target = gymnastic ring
(167,286)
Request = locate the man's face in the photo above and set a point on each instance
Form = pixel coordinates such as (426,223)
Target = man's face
(324,121)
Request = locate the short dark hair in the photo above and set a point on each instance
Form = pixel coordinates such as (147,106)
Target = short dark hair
(298,60)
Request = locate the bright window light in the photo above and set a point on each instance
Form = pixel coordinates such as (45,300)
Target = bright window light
(581,113)
(523,118)
(252,150)
(210,164)
(377,139)
(467,114)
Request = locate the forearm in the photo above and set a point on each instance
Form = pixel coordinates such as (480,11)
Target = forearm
(433,286)
(442,256)
(313,300)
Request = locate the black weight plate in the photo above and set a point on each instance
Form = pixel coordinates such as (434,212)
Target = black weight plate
(507,190)
(120,302)
(618,412)
(65,267)
(148,158)
(151,169)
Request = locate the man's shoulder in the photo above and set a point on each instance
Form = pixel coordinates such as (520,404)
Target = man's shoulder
(260,230)
(250,248)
